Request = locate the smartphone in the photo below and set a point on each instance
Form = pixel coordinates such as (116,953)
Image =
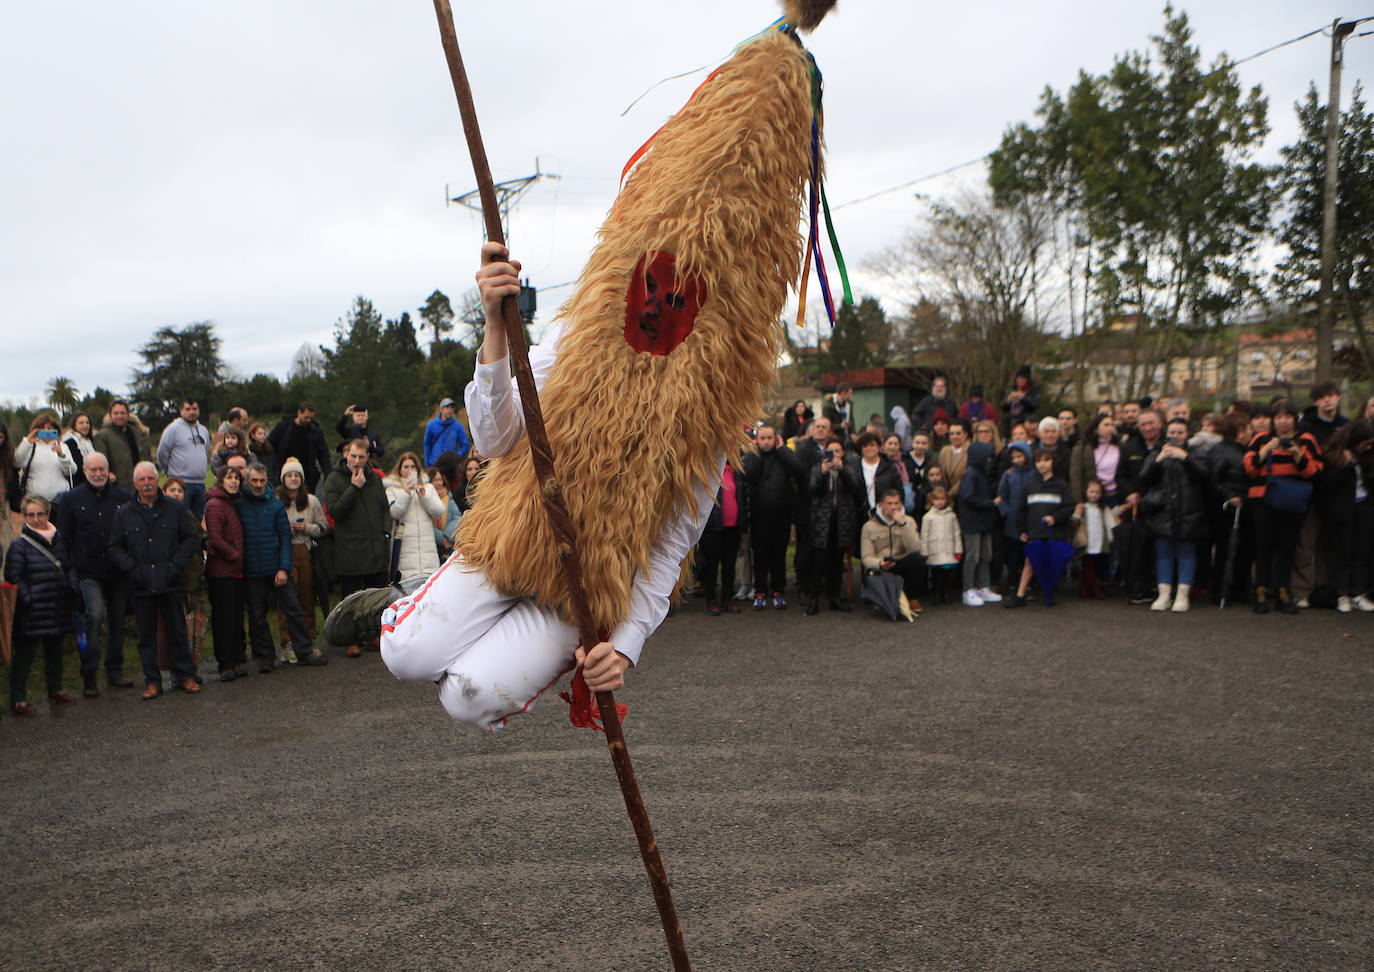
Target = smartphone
(47,435)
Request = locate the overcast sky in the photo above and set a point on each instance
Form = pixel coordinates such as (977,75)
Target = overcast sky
(258,164)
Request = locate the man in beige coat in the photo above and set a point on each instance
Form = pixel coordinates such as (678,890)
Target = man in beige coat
(889,541)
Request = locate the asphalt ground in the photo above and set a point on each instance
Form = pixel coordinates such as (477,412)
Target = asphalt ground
(1086,787)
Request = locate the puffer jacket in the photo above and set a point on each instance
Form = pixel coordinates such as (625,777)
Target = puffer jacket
(47,592)
(414,516)
(85,518)
(1174,496)
(266,534)
(154,545)
(839,494)
(223,534)
(941,542)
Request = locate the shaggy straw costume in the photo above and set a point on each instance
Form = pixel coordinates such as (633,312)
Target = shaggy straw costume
(635,432)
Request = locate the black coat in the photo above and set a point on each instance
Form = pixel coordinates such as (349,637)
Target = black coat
(1132,461)
(835,492)
(716,521)
(1174,496)
(886,477)
(1226,464)
(153,546)
(349,430)
(810,455)
(47,593)
(85,518)
(315,461)
(773,479)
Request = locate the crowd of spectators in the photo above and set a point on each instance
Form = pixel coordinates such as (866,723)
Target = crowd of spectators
(1265,503)
(252,516)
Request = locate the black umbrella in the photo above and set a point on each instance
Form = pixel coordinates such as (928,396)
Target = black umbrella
(883,589)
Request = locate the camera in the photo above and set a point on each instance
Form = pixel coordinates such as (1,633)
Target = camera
(47,435)
(1286,442)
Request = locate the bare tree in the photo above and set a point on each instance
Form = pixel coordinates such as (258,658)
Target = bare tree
(975,278)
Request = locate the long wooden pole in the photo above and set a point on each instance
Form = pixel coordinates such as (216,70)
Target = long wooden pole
(552,493)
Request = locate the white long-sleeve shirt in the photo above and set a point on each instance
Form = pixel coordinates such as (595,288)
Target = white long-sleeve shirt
(497,424)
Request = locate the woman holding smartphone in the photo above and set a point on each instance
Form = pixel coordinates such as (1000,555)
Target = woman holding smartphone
(45,469)
(414,505)
(1284,453)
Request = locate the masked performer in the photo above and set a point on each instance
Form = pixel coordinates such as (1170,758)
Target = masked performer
(647,378)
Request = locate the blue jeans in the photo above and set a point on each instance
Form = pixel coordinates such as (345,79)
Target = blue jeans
(1166,549)
(107,601)
(195,498)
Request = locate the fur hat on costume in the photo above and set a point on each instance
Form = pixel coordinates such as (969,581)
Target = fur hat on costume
(671,335)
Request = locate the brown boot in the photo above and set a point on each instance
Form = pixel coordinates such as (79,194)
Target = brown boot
(89,688)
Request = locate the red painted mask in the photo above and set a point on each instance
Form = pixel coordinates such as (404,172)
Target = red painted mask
(660,308)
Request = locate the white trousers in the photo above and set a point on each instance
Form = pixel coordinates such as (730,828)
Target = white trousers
(492,655)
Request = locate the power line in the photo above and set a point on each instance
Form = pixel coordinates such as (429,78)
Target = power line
(982,158)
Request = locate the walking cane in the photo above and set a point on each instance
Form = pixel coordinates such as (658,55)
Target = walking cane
(553,500)
(1228,572)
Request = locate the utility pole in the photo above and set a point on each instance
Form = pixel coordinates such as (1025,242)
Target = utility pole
(1326,305)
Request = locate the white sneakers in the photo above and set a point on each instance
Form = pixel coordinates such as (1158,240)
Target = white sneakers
(1343,604)
(971,598)
(1363,603)
(988,597)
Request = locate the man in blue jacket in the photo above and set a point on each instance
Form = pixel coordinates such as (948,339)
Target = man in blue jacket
(444,433)
(85,518)
(267,567)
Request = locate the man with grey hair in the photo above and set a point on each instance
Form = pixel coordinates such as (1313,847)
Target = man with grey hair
(84,518)
(151,542)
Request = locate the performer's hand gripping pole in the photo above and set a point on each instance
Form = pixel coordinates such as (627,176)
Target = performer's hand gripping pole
(553,500)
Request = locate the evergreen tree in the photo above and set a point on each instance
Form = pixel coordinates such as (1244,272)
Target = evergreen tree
(178,363)
(1153,157)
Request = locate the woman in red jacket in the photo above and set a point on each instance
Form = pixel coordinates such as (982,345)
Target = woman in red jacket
(1283,453)
(224,572)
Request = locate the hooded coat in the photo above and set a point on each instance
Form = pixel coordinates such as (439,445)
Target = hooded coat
(1011,489)
(977,506)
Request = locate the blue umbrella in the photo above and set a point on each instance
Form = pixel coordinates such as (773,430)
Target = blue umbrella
(1047,559)
(81,642)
